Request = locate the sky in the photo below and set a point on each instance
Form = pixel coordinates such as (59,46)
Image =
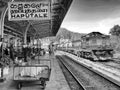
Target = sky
(85,16)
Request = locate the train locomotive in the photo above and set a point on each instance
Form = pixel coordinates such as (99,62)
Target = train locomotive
(93,54)
(93,46)
(96,54)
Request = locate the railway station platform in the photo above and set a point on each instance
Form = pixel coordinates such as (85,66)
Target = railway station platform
(57,80)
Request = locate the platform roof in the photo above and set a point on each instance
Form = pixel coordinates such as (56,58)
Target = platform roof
(38,28)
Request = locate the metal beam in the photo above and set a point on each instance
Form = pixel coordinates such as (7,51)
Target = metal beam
(41,23)
(12,29)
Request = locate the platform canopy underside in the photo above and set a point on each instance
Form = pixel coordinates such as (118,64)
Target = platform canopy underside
(38,28)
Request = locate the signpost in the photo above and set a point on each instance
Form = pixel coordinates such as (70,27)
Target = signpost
(29,10)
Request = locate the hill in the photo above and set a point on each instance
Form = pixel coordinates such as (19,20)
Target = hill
(64,33)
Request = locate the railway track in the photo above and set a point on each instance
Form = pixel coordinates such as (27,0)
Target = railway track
(114,64)
(89,79)
(71,78)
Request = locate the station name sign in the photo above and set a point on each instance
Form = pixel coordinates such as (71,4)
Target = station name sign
(29,10)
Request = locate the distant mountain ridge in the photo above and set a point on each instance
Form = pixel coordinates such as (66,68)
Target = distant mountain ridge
(64,33)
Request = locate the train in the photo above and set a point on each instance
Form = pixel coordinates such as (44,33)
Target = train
(93,54)
(94,46)
(102,54)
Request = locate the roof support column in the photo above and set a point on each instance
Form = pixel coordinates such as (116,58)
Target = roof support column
(2,17)
(2,21)
(3,13)
(25,34)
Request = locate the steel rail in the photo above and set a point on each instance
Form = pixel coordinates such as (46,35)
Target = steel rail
(98,73)
(74,76)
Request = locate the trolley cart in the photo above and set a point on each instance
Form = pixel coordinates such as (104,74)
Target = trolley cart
(31,73)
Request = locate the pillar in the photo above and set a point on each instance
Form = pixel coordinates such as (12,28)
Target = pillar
(3,10)
(25,34)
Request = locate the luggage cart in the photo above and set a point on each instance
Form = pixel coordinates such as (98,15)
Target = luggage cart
(32,73)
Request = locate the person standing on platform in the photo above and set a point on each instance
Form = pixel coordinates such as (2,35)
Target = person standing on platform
(11,52)
(6,51)
(1,50)
(25,52)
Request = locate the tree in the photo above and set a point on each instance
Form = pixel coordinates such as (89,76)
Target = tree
(68,35)
(115,30)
